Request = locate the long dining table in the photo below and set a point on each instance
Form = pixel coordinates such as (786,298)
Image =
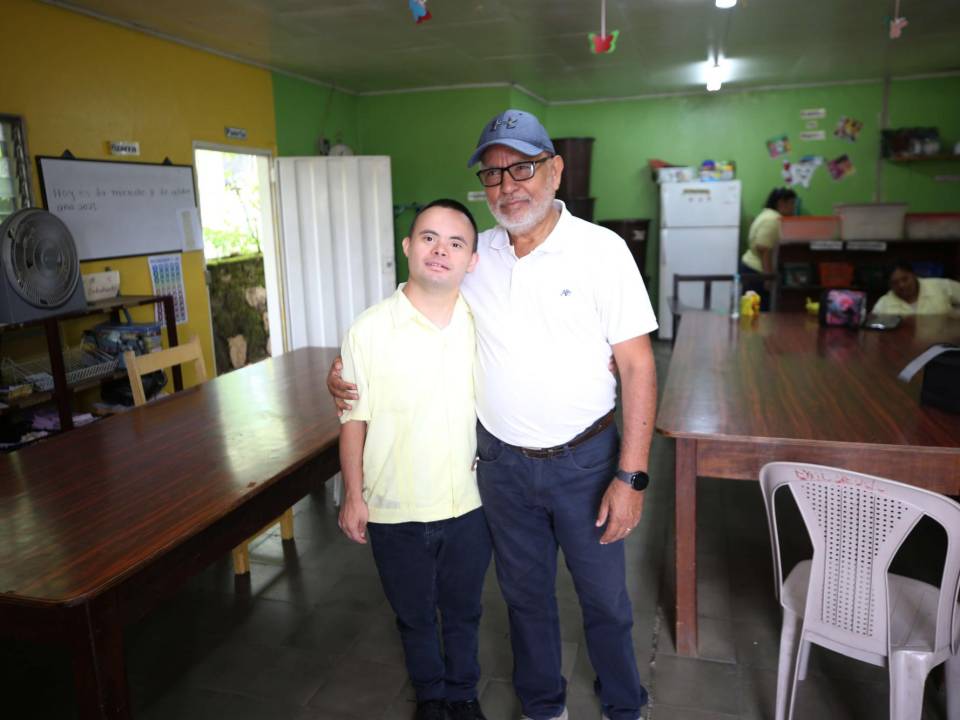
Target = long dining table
(742,393)
(101,524)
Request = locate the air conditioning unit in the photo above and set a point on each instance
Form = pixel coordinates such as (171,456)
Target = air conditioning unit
(41,269)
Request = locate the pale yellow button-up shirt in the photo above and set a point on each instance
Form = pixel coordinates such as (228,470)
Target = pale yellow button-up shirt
(415,382)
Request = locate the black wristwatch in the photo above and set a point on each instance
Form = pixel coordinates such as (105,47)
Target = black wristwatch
(636,480)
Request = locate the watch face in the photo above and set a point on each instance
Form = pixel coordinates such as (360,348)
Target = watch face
(637,480)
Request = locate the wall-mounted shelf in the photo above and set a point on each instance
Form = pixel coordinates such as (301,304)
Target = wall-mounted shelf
(869,266)
(923,158)
(62,392)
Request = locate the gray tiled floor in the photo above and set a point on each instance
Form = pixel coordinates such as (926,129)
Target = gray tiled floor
(310,636)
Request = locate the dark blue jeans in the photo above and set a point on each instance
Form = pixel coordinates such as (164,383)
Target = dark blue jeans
(532,506)
(426,567)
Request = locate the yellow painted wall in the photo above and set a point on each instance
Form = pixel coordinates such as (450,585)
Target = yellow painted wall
(80,82)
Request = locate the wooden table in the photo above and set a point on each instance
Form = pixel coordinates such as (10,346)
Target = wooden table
(99,525)
(740,394)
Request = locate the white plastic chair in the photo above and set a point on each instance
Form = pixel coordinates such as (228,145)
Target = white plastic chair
(845,599)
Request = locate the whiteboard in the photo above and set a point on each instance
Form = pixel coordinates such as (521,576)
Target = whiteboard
(119,209)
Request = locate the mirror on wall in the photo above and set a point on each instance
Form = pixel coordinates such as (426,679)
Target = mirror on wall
(14,168)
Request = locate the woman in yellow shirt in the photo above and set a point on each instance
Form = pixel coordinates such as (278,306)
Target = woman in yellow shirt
(763,236)
(911,295)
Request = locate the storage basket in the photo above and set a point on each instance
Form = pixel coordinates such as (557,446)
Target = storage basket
(933,226)
(836,274)
(809,227)
(81,364)
(871,221)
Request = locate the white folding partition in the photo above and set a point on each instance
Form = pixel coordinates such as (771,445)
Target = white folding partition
(336,215)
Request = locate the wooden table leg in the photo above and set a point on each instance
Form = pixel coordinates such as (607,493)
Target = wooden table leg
(99,669)
(686,538)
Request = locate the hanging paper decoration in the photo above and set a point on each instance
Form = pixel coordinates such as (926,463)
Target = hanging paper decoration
(419,10)
(603,44)
(897,22)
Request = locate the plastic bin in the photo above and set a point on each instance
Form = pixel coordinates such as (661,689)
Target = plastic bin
(933,226)
(809,227)
(836,274)
(871,221)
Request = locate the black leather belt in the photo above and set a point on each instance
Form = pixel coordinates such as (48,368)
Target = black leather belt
(543,453)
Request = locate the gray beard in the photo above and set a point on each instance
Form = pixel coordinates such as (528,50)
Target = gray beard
(536,215)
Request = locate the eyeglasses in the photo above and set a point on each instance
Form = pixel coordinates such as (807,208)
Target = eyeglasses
(491,177)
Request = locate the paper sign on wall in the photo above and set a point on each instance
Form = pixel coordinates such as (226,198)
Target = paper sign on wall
(166,272)
(841,167)
(848,129)
(777,146)
(812,135)
(813,114)
(800,173)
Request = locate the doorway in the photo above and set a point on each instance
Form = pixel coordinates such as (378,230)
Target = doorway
(240,250)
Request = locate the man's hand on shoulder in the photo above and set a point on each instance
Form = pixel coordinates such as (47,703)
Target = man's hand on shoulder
(340,389)
(620,509)
(353,519)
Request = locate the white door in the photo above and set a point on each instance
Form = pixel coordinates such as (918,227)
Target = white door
(695,251)
(336,217)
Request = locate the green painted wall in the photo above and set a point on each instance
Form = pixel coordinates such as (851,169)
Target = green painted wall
(429,135)
(305,111)
(735,126)
(925,103)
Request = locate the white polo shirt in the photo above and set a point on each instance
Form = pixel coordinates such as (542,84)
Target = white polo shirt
(545,324)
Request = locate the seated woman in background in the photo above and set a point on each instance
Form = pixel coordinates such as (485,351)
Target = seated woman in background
(912,295)
(763,236)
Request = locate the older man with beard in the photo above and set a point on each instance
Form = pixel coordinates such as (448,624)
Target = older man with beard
(554,298)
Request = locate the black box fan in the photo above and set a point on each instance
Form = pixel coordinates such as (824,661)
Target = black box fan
(41,270)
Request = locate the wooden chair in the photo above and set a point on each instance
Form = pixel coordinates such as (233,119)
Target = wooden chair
(677,309)
(140,365)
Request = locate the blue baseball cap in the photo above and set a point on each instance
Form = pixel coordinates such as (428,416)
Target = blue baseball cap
(516,129)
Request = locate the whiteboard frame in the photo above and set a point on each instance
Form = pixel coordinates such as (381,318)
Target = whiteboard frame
(69,158)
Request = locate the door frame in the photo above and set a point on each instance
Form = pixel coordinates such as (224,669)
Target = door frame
(272,252)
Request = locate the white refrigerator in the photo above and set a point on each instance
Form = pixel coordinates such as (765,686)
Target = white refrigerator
(699,235)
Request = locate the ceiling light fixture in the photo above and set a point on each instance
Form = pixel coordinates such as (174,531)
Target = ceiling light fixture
(726,4)
(714,77)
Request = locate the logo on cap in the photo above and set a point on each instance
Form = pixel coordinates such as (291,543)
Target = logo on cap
(510,122)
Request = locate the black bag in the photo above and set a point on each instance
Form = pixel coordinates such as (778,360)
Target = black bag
(941,376)
(118,392)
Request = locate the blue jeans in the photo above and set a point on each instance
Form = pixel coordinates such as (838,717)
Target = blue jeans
(532,506)
(426,567)
(753,283)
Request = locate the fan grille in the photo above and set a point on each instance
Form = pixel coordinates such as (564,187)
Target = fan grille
(40,258)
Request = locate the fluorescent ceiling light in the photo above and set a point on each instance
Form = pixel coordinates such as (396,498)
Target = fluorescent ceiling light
(714,77)
(726,4)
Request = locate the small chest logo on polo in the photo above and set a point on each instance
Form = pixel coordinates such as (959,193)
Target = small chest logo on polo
(566,292)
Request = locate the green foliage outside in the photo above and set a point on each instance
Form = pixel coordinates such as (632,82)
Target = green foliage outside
(229,243)
(240,208)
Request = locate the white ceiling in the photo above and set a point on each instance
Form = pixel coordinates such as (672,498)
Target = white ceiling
(367,46)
